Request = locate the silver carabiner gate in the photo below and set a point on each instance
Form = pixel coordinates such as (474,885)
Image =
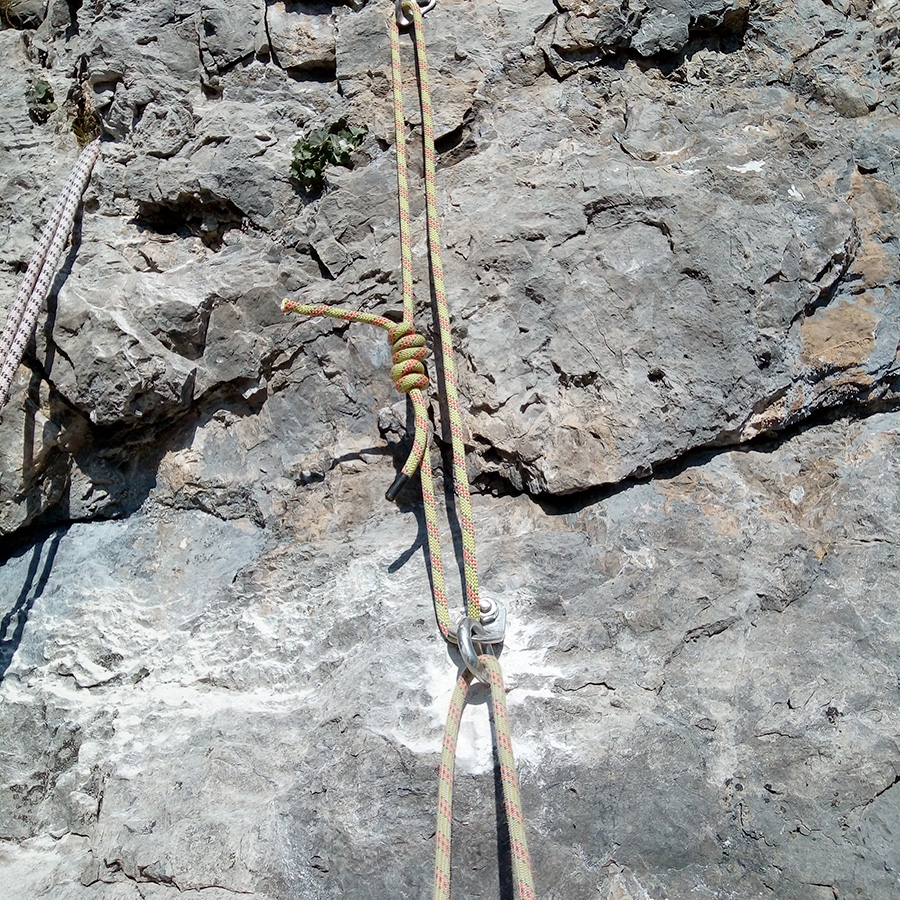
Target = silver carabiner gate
(424,5)
(491,629)
(474,638)
(466,642)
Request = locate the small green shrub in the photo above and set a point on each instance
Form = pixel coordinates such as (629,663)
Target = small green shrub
(323,148)
(39,97)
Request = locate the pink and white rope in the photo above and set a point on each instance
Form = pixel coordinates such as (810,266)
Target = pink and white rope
(22,316)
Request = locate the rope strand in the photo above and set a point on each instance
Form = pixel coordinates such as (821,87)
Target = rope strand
(523,882)
(402,176)
(22,315)
(408,353)
(460,475)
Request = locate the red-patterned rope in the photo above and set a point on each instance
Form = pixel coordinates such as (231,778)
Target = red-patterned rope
(460,475)
(523,882)
(522,879)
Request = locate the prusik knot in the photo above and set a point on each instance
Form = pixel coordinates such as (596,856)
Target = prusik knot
(408,350)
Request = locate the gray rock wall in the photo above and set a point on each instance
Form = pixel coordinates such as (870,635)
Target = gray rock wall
(671,234)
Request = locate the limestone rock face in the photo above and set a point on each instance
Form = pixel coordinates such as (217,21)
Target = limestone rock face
(671,247)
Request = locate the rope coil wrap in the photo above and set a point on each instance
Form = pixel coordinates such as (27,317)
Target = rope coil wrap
(408,372)
(35,287)
(410,379)
(407,351)
(408,348)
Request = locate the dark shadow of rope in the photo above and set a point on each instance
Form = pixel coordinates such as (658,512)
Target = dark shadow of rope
(405,501)
(12,625)
(34,469)
(410,500)
(11,635)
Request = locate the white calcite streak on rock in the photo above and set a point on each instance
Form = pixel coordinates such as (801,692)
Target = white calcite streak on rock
(671,248)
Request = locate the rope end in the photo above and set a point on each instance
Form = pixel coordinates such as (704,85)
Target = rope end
(287,305)
(399,483)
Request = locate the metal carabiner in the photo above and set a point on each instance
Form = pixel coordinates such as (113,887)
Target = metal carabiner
(424,5)
(466,643)
(492,627)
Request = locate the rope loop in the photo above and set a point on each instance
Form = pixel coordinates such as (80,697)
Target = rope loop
(408,351)
(405,6)
(523,881)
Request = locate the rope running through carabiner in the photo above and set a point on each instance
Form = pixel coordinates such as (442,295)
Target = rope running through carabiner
(523,883)
(408,372)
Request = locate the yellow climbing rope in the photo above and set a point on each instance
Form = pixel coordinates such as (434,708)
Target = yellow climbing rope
(523,883)
(408,352)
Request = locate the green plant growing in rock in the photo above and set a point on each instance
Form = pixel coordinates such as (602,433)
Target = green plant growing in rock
(40,100)
(322,148)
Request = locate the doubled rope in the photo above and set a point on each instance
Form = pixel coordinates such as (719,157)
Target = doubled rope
(408,354)
(22,316)
(460,475)
(402,176)
(523,883)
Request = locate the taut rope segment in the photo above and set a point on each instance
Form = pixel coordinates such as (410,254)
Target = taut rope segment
(460,476)
(408,353)
(523,882)
(22,316)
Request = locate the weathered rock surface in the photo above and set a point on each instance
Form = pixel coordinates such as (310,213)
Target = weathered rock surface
(702,672)
(671,235)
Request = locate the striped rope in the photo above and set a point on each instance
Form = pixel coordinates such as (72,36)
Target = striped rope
(523,883)
(402,177)
(408,373)
(22,315)
(409,377)
(460,475)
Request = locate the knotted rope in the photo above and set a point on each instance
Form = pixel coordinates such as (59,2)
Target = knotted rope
(460,476)
(22,316)
(408,352)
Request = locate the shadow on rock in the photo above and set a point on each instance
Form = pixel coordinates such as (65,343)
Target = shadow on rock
(12,626)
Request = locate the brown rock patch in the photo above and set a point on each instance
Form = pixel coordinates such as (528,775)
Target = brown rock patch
(842,336)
